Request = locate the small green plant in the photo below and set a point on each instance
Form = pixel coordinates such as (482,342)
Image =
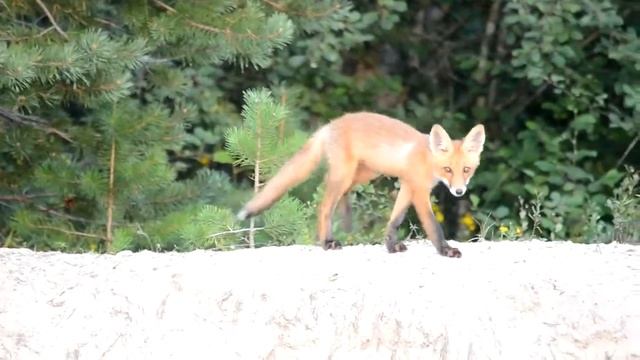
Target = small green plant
(484,227)
(625,208)
(531,211)
(262,143)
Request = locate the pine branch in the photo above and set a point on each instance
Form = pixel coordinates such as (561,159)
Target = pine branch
(53,21)
(21,38)
(66,216)
(227,32)
(275,5)
(165,6)
(206,27)
(309,14)
(192,23)
(23,198)
(34,122)
(28,198)
(234,232)
(69,232)
(107,22)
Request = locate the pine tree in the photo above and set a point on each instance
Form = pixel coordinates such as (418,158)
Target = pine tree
(263,142)
(86,127)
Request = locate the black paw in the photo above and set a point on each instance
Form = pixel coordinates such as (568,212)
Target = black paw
(394,246)
(332,245)
(451,252)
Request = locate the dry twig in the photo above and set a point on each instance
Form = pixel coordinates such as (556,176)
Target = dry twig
(34,122)
(53,21)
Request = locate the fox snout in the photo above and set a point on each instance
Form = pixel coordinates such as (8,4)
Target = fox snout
(455,190)
(458,191)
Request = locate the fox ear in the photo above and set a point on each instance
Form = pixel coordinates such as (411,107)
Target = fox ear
(439,140)
(474,141)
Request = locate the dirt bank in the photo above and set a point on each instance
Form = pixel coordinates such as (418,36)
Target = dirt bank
(501,300)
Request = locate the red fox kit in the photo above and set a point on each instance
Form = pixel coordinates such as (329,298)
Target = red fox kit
(359,147)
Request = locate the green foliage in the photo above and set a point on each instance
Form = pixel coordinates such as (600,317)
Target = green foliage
(260,142)
(551,38)
(371,206)
(561,156)
(285,222)
(625,208)
(212,227)
(113,91)
(137,124)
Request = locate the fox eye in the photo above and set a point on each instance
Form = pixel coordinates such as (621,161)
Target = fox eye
(447,169)
(466,169)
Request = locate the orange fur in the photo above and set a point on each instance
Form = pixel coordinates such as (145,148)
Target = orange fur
(358,147)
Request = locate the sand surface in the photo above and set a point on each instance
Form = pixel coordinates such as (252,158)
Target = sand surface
(501,300)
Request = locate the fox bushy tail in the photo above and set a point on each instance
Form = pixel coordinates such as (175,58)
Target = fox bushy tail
(297,169)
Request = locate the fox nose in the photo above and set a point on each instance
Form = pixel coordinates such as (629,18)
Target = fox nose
(457,191)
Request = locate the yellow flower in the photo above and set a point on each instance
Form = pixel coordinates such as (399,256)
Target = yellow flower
(518,231)
(204,159)
(437,212)
(503,229)
(468,221)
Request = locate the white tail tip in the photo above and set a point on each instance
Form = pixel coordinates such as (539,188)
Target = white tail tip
(242,214)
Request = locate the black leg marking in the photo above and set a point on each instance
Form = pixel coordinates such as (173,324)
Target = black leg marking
(391,240)
(331,244)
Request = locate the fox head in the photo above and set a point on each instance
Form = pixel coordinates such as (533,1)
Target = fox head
(455,161)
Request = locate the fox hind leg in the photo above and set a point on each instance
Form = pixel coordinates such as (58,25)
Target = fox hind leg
(346,213)
(337,183)
(362,176)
